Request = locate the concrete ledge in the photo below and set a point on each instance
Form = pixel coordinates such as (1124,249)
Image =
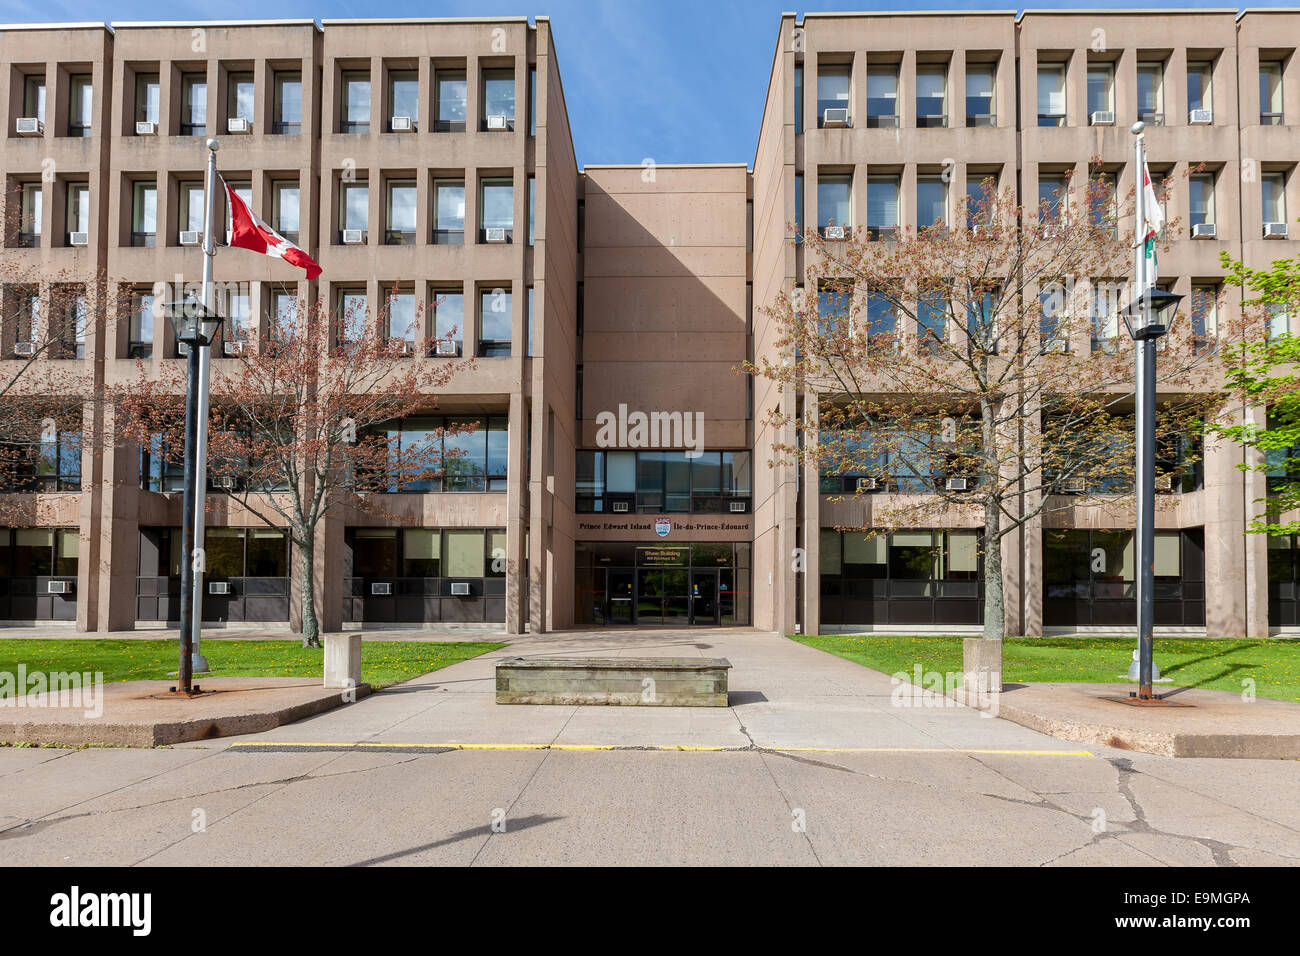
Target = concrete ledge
(638,681)
(1216,724)
(133,716)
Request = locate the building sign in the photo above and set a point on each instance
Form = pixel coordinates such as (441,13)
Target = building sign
(690,527)
(662,527)
(663,557)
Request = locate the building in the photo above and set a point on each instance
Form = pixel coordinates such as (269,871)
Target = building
(621,465)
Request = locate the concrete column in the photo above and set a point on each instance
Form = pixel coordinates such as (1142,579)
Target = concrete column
(517,587)
(1225,541)
(811,536)
(1255,545)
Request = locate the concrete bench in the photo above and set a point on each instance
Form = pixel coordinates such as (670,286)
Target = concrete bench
(644,681)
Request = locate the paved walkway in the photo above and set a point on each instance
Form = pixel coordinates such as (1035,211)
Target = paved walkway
(893,785)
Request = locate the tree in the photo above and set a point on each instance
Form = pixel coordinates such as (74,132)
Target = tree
(977,376)
(48,404)
(1261,372)
(298,426)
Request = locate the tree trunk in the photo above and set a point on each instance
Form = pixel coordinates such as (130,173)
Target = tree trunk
(310,626)
(995,616)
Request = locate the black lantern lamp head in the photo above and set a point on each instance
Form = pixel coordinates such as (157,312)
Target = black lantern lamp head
(193,322)
(1150,315)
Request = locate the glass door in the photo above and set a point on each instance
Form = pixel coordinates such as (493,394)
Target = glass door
(704,597)
(620,598)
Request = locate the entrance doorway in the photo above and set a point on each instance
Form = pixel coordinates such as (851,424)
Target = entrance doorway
(695,585)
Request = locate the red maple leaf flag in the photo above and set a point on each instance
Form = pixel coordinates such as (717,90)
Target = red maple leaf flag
(249,232)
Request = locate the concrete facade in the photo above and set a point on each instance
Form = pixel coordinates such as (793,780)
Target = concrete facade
(647,284)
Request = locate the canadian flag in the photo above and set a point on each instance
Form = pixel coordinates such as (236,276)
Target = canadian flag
(249,232)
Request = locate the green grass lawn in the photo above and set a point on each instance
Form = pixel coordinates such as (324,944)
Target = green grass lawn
(1274,665)
(382,662)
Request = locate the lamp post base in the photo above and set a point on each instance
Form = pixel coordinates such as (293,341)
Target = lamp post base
(1144,697)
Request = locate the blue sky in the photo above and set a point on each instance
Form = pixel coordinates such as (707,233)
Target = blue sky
(678,81)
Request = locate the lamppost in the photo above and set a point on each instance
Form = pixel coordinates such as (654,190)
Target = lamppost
(1146,319)
(195,326)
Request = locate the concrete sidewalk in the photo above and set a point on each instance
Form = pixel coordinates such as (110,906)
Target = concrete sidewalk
(784,696)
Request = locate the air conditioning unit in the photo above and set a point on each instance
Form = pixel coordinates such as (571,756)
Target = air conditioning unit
(218,587)
(1204,230)
(835,116)
(190,237)
(1200,117)
(381,587)
(29,126)
(405,347)
(1074,486)
(1102,118)
(867,484)
(58,587)
(1164,482)
(460,589)
(78,238)
(1274,230)
(233,348)
(955,484)
(146,129)
(24,348)
(739,507)
(984,119)
(224,482)
(447,348)
(834,232)
(402,124)
(494,234)
(353,237)
(237,124)
(498,121)
(1058,344)
(618,507)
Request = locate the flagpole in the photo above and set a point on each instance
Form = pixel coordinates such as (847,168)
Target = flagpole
(201,491)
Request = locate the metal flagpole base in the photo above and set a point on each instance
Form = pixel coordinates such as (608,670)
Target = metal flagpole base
(1143,697)
(1134,672)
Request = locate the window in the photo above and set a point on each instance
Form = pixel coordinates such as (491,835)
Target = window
(931,95)
(981,105)
(798,207)
(240,97)
(497,207)
(532,101)
(1279,320)
(160,469)
(140,332)
(932,319)
(146,98)
(1273,197)
(832,91)
(981,319)
(401,213)
(1200,95)
(531,329)
(931,202)
(354,207)
(285,208)
(403,96)
(190,214)
(1151,96)
(882,96)
(45,463)
(29,226)
(78,208)
(25,306)
(451,101)
(499,99)
(144,213)
(882,206)
(1270,93)
(532,207)
(1101,90)
(1201,209)
(1051,196)
(1103,212)
(1051,94)
(495,323)
(352,316)
(882,318)
(1052,314)
(284,316)
(194,105)
(834,201)
(81,98)
(1204,314)
(448,317)
(834,315)
(1103,315)
(403,325)
(237,331)
(661,481)
(354,104)
(981,189)
(798,98)
(449,211)
(34,97)
(433,453)
(288,103)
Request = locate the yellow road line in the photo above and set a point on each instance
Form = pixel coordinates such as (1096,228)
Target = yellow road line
(363,745)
